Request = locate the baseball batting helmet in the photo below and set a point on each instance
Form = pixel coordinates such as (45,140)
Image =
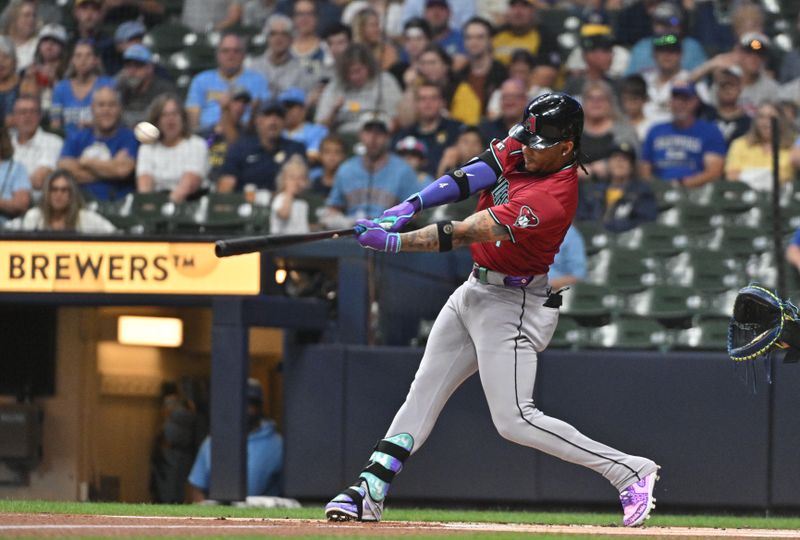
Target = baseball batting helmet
(548,120)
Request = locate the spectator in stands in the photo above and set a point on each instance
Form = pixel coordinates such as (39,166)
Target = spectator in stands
(289,212)
(278,65)
(256,13)
(256,159)
(139,85)
(202,16)
(416,37)
(431,126)
(513,99)
(49,65)
(521,32)
(296,128)
(264,452)
(521,69)
(569,264)
(209,87)
(15,188)
(307,45)
(102,158)
(729,116)
(337,40)
(89,16)
(72,97)
(598,55)
(667,55)
(117,12)
(332,153)
(61,209)
(415,154)
(435,66)
(367,184)
(480,77)
(632,97)
(749,158)
(227,131)
(620,201)
(687,151)
(469,144)
(178,162)
(21,26)
(9,78)
(546,73)
(359,86)
(667,19)
(36,149)
(462,11)
(445,34)
(367,30)
(793,251)
(127,34)
(603,127)
(432,67)
(47,12)
(595,23)
(750,54)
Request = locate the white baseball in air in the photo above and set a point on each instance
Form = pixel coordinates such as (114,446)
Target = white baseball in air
(146,133)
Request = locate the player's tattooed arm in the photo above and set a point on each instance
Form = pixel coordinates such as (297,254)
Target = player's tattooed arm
(478,227)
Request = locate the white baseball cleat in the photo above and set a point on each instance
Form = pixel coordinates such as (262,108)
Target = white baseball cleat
(637,500)
(354,504)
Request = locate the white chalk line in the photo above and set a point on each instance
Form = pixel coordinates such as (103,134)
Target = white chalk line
(388,526)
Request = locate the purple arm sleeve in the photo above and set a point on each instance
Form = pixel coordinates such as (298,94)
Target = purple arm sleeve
(460,184)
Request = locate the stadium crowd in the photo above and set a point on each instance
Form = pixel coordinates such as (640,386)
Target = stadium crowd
(326,111)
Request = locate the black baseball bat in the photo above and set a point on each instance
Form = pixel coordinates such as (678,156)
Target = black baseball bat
(250,244)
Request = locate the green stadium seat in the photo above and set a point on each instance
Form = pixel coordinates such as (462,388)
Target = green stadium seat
(705,334)
(631,270)
(671,306)
(193,59)
(742,242)
(667,194)
(595,236)
(690,216)
(733,197)
(656,238)
(589,305)
(569,334)
(630,333)
(166,38)
(140,213)
(705,271)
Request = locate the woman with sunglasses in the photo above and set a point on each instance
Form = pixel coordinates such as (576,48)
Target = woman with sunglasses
(61,209)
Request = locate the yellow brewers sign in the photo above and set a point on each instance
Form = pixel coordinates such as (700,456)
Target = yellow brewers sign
(125,267)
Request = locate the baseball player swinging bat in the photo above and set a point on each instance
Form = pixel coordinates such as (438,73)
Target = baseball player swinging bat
(252,244)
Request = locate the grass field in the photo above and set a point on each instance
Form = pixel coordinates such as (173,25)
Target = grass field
(239,521)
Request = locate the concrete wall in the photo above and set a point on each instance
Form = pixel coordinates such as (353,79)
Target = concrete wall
(688,411)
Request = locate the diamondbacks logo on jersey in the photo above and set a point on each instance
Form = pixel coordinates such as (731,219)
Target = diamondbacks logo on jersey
(526,218)
(500,192)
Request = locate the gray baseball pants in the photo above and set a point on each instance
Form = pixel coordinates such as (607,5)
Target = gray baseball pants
(498,331)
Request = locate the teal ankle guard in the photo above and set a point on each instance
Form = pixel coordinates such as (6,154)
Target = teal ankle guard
(385,462)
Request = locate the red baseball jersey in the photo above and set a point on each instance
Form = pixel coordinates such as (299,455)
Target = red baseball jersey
(536,210)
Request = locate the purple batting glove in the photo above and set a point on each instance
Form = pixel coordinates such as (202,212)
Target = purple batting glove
(373,236)
(399,215)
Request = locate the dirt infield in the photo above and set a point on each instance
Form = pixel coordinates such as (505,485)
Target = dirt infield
(60,525)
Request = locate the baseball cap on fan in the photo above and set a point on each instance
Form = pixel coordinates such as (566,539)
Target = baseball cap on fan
(374,120)
(755,42)
(53,31)
(667,13)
